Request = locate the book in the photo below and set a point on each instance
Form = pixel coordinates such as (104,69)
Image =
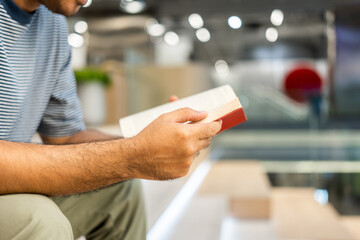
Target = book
(220,103)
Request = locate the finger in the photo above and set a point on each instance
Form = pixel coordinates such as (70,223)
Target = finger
(173,98)
(186,114)
(206,130)
(204,143)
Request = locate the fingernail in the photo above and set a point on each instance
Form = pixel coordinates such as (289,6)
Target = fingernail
(202,112)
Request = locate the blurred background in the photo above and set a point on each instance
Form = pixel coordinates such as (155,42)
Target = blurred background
(295,66)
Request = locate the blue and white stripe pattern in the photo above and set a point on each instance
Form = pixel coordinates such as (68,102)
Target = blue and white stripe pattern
(37,87)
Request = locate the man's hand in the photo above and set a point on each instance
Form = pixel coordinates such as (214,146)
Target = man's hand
(170,146)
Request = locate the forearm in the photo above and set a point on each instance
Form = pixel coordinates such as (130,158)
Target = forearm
(80,137)
(64,169)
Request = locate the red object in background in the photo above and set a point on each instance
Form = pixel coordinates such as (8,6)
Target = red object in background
(301,82)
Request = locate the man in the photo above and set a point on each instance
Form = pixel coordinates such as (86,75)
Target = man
(37,94)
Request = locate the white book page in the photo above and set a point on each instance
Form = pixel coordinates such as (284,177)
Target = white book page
(204,101)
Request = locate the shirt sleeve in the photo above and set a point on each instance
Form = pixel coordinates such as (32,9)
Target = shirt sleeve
(63,115)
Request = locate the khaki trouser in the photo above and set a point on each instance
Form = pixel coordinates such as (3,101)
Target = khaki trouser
(116,212)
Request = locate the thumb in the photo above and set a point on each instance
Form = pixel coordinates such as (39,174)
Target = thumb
(186,114)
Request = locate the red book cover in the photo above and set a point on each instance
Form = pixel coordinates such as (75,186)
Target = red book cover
(232,119)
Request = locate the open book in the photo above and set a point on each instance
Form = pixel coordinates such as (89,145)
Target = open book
(220,103)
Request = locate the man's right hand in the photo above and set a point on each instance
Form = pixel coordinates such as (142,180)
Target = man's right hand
(168,146)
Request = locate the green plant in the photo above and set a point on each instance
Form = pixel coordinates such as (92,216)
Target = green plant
(86,75)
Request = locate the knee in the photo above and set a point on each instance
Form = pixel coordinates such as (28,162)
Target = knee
(40,216)
(48,217)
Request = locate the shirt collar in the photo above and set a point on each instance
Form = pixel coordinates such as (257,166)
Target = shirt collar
(17,13)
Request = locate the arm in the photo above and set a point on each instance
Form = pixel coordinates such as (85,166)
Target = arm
(86,135)
(163,150)
(60,170)
(80,137)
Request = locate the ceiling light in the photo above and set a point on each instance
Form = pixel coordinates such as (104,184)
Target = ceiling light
(277,17)
(222,67)
(75,40)
(132,6)
(154,28)
(172,38)
(203,35)
(234,22)
(196,21)
(81,27)
(87,4)
(271,34)
(150,21)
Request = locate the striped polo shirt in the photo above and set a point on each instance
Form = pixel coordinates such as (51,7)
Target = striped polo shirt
(37,86)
